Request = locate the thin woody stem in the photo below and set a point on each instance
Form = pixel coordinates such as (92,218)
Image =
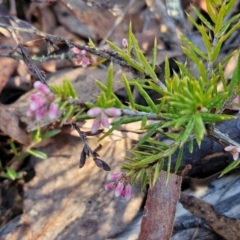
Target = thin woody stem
(110,55)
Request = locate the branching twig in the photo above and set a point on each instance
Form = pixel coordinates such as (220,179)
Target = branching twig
(83,138)
(221,138)
(63,56)
(150,116)
(88,151)
(110,55)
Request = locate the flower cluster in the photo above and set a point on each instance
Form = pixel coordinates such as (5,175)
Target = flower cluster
(83,57)
(234,151)
(121,185)
(42,102)
(101,117)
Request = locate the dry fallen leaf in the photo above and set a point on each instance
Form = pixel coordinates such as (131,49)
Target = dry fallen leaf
(224,226)
(9,125)
(7,67)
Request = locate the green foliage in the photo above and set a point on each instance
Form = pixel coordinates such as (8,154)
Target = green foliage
(64,93)
(230,167)
(107,98)
(189,101)
(37,137)
(10,174)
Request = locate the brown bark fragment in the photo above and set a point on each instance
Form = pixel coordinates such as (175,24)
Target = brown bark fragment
(160,208)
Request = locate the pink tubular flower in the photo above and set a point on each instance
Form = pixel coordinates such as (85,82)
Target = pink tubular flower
(121,185)
(234,151)
(110,186)
(96,125)
(42,102)
(113,112)
(83,57)
(40,113)
(41,87)
(116,176)
(127,192)
(119,188)
(37,103)
(101,117)
(53,110)
(76,50)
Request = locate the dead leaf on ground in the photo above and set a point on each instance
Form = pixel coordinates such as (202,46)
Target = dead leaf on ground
(7,67)
(9,125)
(224,226)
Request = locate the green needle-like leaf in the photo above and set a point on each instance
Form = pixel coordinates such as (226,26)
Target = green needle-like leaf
(154,58)
(179,159)
(126,57)
(69,112)
(157,170)
(50,134)
(211,11)
(71,91)
(199,128)
(184,136)
(230,167)
(129,91)
(109,81)
(113,96)
(220,16)
(37,153)
(149,133)
(147,66)
(194,47)
(235,81)
(168,168)
(146,97)
(203,19)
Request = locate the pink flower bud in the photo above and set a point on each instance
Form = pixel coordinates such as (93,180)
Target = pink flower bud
(104,120)
(119,189)
(41,87)
(124,43)
(113,112)
(234,150)
(76,50)
(93,112)
(85,62)
(116,176)
(96,125)
(34,97)
(40,113)
(36,104)
(110,186)
(53,110)
(84,52)
(123,193)
(229,148)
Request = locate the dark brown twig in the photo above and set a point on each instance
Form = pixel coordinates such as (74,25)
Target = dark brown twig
(110,55)
(88,151)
